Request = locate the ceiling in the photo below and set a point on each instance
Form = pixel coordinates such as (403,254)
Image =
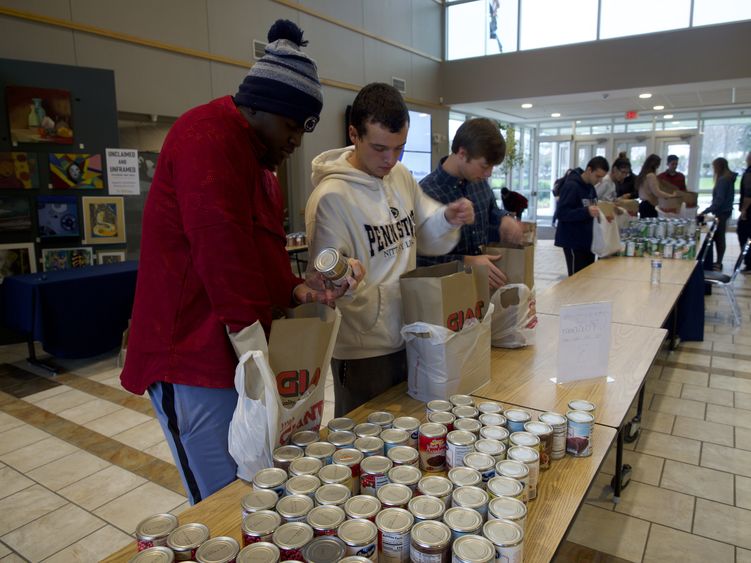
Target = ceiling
(615,103)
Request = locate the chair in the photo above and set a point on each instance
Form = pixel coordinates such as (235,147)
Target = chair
(726,282)
(707,243)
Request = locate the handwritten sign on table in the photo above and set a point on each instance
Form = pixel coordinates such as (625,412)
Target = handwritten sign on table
(584,341)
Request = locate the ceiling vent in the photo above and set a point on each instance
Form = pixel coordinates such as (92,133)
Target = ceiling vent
(259,49)
(399,83)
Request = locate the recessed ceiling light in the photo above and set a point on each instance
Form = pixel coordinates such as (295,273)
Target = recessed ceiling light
(668,116)
(578,120)
(556,114)
(526,106)
(645,95)
(675,122)
(658,108)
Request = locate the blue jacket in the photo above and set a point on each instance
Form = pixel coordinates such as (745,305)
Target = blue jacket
(723,194)
(574,221)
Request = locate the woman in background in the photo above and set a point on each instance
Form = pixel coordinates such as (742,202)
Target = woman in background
(649,187)
(723,194)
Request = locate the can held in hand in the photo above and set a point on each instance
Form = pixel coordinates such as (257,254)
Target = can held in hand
(393,526)
(579,433)
(432,447)
(154,530)
(333,265)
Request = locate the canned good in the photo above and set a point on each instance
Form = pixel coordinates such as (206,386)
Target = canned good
(324,549)
(305,466)
(473,549)
(342,439)
(393,526)
(260,552)
(507,538)
(432,446)
(515,419)
(218,550)
(158,554)
(440,417)
(436,486)
(270,479)
(429,542)
(394,495)
(410,425)
(492,419)
(186,539)
(332,494)
(515,470)
(354,559)
(531,458)
(258,500)
(468,425)
(333,265)
(483,463)
(544,433)
(462,400)
(284,455)
(260,526)
(381,418)
(393,437)
(370,446)
(426,508)
(404,455)
(366,429)
(360,536)
(325,519)
(321,450)
(471,497)
(582,405)
(630,247)
(558,423)
(340,424)
(507,508)
(362,506)
(303,438)
(336,473)
(465,411)
(524,439)
(303,485)
(294,508)
(493,448)
(579,433)
(407,475)
(373,472)
(458,444)
(495,433)
(352,458)
(462,521)
(490,407)
(500,486)
(438,405)
(154,530)
(465,477)
(291,538)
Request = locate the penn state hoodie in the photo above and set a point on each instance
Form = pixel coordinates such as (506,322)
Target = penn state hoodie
(381,222)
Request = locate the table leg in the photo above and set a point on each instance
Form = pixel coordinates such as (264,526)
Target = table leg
(633,428)
(617,479)
(36,362)
(675,340)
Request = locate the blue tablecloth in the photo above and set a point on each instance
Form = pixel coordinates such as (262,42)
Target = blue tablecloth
(74,313)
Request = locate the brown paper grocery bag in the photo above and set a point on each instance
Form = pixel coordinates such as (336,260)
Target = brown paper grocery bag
(517,261)
(445,294)
(691,199)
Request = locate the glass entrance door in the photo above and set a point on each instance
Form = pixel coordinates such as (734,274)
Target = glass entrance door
(587,150)
(554,159)
(636,152)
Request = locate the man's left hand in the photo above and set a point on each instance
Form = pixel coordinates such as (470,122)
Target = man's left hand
(511,230)
(460,212)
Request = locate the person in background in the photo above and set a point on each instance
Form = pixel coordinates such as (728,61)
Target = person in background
(514,202)
(477,147)
(722,204)
(367,205)
(744,205)
(649,187)
(626,189)
(213,259)
(606,189)
(575,212)
(671,176)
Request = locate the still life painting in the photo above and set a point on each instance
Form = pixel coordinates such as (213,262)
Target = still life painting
(39,115)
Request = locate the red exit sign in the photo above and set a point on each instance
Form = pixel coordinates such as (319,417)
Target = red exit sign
(632,114)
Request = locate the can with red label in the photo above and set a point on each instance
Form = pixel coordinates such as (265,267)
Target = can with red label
(291,538)
(432,447)
(154,530)
(326,519)
(260,526)
(223,549)
(373,472)
(362,506)
(440,417)
(186,539)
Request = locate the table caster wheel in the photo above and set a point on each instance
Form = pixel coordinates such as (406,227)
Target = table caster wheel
(631,430)
(625,479)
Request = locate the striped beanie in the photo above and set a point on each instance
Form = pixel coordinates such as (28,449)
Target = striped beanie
(285,80)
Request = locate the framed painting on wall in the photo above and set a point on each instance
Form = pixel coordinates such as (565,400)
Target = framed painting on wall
(76,171)
(15,213)
(110,257)
(103,220)
(39,115)
(18,171)
(57,216)
(66,258)
(17,258)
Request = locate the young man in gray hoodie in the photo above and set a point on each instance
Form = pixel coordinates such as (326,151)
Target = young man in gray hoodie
(368,206)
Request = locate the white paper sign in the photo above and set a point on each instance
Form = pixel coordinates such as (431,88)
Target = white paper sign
(122,172)
(584,341)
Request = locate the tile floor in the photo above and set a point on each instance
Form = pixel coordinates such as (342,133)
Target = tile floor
(82,461)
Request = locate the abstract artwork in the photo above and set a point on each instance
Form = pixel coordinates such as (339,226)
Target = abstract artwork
(57,216)
(18,171)
(110,257)
(66,258)
(147,166)
(103,220)
(15,213)
(39,115)
(16,259)
(76,171)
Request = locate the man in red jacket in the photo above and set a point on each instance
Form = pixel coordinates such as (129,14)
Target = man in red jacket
(213,254)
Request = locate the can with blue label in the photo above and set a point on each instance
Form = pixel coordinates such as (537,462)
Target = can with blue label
(361,537)
(579,433)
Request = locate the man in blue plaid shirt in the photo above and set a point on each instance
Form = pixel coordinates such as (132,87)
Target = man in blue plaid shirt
(477,147)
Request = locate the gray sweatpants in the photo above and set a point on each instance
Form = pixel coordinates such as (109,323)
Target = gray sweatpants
(358,381)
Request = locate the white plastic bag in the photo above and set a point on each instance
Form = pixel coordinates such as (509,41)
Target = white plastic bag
(514,317)
(688,212)
(442,362)
(605,237)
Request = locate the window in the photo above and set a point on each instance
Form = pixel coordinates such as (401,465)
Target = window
(729,138)
(707,12)
(545,23)
(642,16)
(482,27)
(417,151)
